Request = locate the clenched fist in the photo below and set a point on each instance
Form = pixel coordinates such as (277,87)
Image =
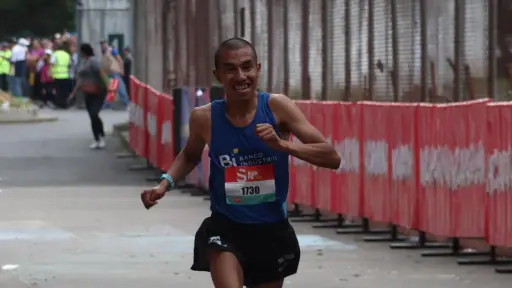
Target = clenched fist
(268,134)
(151,196)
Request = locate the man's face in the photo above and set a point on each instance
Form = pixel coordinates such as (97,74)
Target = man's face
(104,47)
(238,72)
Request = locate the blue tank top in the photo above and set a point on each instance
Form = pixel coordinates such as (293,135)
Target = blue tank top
(248,180)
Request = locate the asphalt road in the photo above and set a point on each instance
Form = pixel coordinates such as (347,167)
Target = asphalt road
(71,217)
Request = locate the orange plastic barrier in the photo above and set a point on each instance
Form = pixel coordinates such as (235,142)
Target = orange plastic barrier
(142,136)
(348,183)
(165,121)
(304,185)
(402,120)
(322,116)
(153,129)
(134,111)
(377,162)
(469,197)
(441,169)
(452,169)
(499,181)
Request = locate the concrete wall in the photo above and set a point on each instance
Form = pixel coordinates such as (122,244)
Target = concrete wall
(149,42)
(99,18)
(161,41)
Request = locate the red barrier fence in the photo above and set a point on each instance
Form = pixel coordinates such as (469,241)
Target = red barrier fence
(441,169)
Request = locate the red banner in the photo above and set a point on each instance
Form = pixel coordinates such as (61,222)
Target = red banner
(499,232)
(404,164)
(304,184)
(133,113)
(165,119)
(348,184)
(377,162)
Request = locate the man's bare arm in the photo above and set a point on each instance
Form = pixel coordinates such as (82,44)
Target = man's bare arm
(314,148)
(191,154)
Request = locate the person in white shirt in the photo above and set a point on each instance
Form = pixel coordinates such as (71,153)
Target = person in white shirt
(18,60)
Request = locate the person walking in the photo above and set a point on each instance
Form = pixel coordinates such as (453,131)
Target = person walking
(93,83)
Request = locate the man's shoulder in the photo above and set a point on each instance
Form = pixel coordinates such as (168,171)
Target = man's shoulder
(202,113)
(277,101)
(200,118)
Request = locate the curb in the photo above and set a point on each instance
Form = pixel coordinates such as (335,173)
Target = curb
(28,120)
(120,131)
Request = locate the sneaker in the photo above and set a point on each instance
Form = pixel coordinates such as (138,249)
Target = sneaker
(95,145)
(101,143)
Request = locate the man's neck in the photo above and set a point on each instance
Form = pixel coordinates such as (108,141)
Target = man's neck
(241,108)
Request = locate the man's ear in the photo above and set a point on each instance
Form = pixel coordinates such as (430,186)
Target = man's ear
(217,76)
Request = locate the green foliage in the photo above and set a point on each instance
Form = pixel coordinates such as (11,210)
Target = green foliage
(36,17)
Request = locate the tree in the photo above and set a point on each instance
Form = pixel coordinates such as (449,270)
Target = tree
(36,17)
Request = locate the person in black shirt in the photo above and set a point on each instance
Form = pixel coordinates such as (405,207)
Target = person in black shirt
(127,61)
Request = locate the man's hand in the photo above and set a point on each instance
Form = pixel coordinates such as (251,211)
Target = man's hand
(268,134)
(151,196)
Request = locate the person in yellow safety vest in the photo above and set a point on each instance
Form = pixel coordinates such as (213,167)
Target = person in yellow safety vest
(60,63)
(5,66)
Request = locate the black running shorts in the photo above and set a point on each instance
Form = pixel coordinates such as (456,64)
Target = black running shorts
(266,252)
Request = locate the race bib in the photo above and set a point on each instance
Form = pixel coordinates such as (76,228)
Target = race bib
(249,185)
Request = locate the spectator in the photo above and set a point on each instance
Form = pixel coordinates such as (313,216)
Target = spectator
(18,60)
(5,66)
(61,62)
(127,52)
(114,68)
(36,53)
(48,91)
(12,43)
(93,82)
(74,62)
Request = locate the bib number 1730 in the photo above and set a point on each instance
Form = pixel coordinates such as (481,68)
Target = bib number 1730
(250,190)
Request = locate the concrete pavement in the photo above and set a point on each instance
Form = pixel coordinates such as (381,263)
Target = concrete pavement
(71,217)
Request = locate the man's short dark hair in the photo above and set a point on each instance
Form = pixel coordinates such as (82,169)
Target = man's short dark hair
(86,49)
(233,44)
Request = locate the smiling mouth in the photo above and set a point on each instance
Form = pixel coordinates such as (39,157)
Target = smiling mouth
(242,87)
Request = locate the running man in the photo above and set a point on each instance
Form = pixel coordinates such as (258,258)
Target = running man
(247,240)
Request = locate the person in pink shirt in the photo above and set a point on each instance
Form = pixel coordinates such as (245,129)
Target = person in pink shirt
(35,54)
(47,90)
